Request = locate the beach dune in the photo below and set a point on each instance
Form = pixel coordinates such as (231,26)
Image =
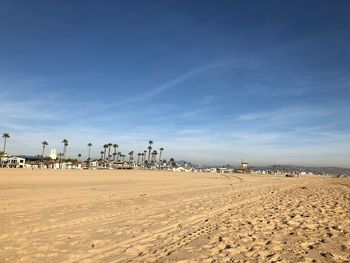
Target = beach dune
(147,216)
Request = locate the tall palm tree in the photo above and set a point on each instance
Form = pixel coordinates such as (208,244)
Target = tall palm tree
(150,142)
(131,156)
(44,143)
(89,145)
(79,155)
(65,150)
(109,150)
(65,144)
(154,156)
(160,154)
(149,153)
(144,156)
(60,155)
(105,147)
(119,154)
(5,136)
(101,152)
(115,146)
(123,156)
(138,157)
(172,162)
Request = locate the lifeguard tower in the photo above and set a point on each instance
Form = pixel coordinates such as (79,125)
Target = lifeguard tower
(244,167)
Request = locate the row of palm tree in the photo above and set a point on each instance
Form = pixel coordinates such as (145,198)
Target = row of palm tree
(104,152)
(117,156)
(152,157)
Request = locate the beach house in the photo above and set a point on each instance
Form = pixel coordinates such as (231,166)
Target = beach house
(16,162)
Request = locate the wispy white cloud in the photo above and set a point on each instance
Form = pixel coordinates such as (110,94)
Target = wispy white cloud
(294,114)
(151,92)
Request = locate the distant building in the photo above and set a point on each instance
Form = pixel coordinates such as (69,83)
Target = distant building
(191,170)
(225,170)
(179,169)
(3,160)
(53,154)
(16,162)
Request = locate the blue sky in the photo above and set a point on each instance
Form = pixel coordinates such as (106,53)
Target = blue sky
(210,81)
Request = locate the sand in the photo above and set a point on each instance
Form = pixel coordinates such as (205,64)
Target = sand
(143,216)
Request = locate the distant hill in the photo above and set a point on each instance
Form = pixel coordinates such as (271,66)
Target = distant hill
(316,170)
(285,168)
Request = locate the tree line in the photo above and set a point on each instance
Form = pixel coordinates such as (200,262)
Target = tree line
(107,154)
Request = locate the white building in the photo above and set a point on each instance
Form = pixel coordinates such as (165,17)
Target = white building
(191,170)
(187,170)
(53,154)
(3,160)
(179,169)
(16,162)
(93,165)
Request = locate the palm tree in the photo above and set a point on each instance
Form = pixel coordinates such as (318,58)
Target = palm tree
(44,143)
(5,136)
(138,157)
(105,146)
(172,161)
(60,155)
(89,145)
(149,153)
(150,142)
(143,156)
(131,156)
(115,146)
(65,144)
(65,150)
(109,149)
(123,156)
(119,154)
(154,155)
(79,155)
(160,154)
(101,152)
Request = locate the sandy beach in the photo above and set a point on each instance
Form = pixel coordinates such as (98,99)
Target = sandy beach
(140,216)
